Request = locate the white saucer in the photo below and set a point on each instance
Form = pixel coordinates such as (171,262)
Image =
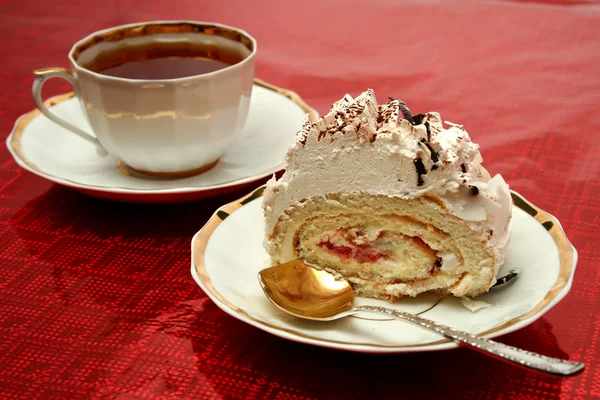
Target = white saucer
(539,248)
(48,150)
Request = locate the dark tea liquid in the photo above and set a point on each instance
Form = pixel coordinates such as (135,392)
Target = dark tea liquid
(165,68)
(156,60)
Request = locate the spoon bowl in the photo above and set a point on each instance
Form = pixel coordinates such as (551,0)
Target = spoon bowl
(306,292)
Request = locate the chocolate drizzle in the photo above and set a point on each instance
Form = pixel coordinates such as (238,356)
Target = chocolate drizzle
(425,142)
(418,119)
(434,155)
(420,167)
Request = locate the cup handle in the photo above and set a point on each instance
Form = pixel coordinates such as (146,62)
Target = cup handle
(41,76)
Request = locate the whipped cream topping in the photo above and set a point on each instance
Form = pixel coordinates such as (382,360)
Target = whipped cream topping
(363,147)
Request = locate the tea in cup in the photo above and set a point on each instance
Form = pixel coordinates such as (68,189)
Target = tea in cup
(166,98)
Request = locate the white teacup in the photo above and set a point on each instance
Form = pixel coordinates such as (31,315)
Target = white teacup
(174,119)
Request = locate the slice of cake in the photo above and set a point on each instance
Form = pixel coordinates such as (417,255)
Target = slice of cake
(396,204)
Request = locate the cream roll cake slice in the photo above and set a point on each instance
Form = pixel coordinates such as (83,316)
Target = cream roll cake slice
(396,204)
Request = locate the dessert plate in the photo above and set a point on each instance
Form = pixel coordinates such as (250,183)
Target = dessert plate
(48,150)
(538,248)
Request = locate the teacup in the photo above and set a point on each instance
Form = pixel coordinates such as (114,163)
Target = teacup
(166,98)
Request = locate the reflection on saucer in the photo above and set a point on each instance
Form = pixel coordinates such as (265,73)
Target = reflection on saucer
(161,176)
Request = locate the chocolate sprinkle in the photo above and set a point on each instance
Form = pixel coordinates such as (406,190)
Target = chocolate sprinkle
(438,263)
(474,190)
(420,167)
(405,111)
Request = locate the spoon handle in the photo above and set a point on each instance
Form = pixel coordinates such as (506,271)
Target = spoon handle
(523,358)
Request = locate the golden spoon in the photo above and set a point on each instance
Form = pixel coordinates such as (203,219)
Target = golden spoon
(305,292)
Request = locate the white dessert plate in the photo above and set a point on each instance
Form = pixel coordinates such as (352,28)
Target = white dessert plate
(48,150)
(539,248)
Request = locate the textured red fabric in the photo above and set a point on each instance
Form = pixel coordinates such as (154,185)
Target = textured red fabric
(96,300)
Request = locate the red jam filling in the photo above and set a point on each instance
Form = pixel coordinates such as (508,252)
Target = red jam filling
(360,253)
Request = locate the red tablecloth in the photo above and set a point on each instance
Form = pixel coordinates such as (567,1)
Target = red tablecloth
(96,298)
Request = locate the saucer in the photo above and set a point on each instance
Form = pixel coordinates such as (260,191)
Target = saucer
(538,248)
(48,150)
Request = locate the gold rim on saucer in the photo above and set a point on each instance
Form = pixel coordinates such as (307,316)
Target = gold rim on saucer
(550,223)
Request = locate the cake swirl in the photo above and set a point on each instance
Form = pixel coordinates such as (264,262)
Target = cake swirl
(398,204)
